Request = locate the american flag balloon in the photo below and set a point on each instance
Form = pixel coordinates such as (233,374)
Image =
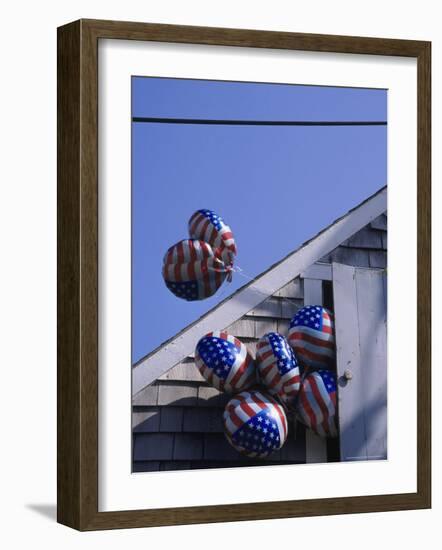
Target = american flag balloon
(255,424)
(316,404)
(311,335)
(192,271)
(225,362)
(206,225)
(277,367)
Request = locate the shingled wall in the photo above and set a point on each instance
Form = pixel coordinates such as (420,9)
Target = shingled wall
(177,420)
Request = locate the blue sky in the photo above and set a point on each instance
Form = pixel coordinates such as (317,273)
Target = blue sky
(275,186)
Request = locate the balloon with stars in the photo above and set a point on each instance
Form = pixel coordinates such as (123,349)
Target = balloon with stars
(316,403)
(192,271)
(207,226)
(225,362)
(255,424)
(311,335)
(277,366)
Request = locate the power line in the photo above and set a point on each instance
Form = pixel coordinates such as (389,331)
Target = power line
(219,122)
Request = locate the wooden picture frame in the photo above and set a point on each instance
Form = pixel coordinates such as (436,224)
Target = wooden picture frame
(77,461)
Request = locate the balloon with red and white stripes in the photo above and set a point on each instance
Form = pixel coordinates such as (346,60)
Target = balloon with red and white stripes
(225,362)
(192,271)
(316,404)
(312,337)
(277,366)
(255,424)
(206,225)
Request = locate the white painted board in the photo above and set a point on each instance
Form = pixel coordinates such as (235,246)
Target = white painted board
(315,446)
(361,348)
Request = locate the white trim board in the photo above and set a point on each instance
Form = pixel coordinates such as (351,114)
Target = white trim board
(232,309)
(315,446)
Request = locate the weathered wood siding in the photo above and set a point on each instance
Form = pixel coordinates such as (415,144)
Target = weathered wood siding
(267,284)
(366,248)
(177,418)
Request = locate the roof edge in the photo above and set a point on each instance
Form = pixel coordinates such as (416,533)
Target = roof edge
(173,350)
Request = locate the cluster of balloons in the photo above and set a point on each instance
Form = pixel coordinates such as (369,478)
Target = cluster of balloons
(194,268)
(287,376)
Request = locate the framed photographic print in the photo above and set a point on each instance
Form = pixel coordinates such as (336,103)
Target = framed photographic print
(225,349)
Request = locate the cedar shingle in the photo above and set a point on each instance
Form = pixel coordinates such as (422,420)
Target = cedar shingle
(290,307)
(148,396)
(264,325)
(283,326)
(207,420)
(350,256)
(268,308)
(291,290)
(294,448)
(326,259)
(244,328)
(365,238)
(188,447)
(175,465)
(380,222)
(146,466)
(171,419)
(211,397)
(216,447)
(183,395)
(183,372)
(153,446)
(378,258)
(147,420)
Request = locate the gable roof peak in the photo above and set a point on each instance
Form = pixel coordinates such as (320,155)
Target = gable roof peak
(174,350)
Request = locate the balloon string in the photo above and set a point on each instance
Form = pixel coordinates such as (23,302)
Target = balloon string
(248,277)
(224,290)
